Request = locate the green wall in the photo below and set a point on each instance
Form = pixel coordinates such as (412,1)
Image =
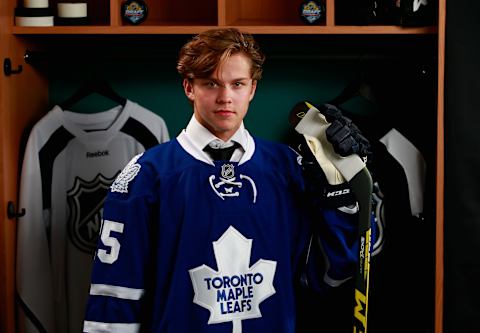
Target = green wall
(142,68)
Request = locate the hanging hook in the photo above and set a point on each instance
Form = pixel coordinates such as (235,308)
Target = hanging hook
(7,67)
(12,212)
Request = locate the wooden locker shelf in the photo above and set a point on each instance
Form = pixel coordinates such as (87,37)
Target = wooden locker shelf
(185,17)
(251,27)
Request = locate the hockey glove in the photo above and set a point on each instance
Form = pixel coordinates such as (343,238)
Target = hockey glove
(345,137)
(343,134)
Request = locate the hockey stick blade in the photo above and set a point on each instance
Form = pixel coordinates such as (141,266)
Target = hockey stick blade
(353,169)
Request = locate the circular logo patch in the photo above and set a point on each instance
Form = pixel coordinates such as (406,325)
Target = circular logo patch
(134,11)
(312,12)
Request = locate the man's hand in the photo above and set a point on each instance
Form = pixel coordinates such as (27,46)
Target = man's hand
(343,134)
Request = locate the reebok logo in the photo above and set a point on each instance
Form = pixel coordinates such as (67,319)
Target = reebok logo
(337,193)
(99,153)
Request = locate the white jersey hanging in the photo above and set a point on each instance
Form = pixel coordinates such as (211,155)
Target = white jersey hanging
(71,159)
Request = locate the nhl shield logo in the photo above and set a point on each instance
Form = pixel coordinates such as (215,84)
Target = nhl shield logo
(228,171)
(85,201)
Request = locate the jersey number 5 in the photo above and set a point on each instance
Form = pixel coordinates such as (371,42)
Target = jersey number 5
(109,257)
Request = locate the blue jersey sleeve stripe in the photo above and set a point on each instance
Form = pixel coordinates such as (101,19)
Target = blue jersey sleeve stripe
(116,291)
(97,327)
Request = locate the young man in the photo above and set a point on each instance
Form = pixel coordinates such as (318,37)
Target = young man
(192,243)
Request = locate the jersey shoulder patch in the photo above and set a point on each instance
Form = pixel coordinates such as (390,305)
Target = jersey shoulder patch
(128,173)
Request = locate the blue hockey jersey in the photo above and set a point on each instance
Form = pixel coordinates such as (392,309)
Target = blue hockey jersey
(192,246)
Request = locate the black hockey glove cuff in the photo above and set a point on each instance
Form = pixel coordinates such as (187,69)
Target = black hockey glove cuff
(320,192)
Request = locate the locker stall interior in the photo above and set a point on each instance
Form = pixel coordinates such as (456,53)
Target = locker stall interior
(391,75)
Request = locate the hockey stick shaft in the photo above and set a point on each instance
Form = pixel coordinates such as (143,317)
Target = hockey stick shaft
(361,185)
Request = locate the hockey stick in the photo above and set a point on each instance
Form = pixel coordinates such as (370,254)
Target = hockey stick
(361,185)
(353,169)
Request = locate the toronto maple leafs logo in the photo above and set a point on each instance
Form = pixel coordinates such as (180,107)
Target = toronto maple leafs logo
(235,292)
(126,176)
(228,185)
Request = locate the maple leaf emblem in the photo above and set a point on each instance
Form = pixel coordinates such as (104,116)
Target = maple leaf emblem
(235,292)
